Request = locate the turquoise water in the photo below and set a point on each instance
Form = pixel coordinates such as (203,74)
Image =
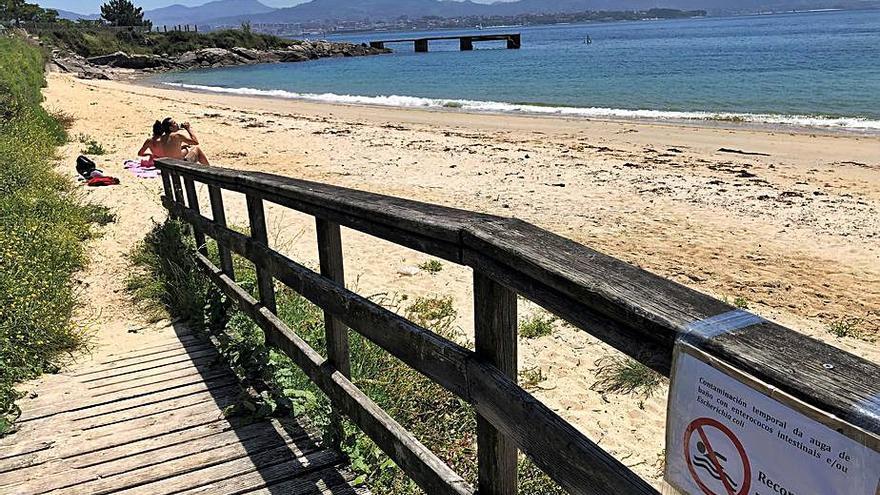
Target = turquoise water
(820,68)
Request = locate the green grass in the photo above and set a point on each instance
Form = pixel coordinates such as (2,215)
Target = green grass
(846,327)
(432,266)
(93,148)
(43,226)
(164,272)
(627,376)
(741,302)
(538,324)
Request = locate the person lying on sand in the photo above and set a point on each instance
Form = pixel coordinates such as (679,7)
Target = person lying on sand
(170,141)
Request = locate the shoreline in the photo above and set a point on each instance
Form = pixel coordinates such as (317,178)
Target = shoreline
(712,123)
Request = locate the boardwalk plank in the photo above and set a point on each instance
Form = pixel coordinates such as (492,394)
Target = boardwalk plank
(152,421)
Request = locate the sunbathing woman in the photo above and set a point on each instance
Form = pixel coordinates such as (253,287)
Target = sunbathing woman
(169,141)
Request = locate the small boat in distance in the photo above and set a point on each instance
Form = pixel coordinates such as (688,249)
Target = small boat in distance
(588,40)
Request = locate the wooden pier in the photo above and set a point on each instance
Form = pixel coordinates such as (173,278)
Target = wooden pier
(466,42)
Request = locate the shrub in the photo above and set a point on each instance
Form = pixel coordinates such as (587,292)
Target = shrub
(846,327)
(431,266)
(538,324)
(93,148)
(43,227)
(627,376)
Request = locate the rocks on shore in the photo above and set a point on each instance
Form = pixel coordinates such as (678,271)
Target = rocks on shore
(120,64)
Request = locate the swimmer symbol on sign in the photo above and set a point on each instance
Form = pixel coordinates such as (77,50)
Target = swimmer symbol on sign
(716,459)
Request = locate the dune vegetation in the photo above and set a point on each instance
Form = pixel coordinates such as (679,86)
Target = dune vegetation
(44,225)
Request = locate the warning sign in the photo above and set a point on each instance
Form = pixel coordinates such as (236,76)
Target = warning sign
(716,459)
(727,436)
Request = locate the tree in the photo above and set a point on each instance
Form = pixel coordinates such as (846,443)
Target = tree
(19,11)
(123,13)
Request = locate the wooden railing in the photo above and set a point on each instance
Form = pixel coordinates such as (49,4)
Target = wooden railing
(634,311)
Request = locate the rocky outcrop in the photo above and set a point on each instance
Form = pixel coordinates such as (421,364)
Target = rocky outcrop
(120,64)
(122,60)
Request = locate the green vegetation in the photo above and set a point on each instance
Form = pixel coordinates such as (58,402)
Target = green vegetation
(18,11)
(538,324)
(93,147)
(741,302)
(441,421)
(123,13)
(90,40)
(846,327)
(431,266)
(624,375)
(43,226)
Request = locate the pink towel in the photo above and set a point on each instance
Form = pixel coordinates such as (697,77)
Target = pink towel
(143,168)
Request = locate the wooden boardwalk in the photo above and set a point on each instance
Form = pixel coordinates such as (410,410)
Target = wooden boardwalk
(151,422)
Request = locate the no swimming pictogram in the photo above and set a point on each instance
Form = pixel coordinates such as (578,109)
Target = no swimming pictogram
(716,459)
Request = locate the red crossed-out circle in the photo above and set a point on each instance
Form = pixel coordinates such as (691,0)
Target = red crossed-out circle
(697,426)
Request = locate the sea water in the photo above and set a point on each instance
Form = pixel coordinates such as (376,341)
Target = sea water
(806,69)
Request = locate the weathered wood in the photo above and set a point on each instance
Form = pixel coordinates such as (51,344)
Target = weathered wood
(265,282)
(408,453)
(428,228)
(490,391)
(565,454)
(177,187)
(495,341)
(218,212)
(192,199)
(166,184)
(174,439)
(636,306)
(163,462)
(629,308)
(432,355)
(653,354)
(439,360)
(330,257)
(336,334)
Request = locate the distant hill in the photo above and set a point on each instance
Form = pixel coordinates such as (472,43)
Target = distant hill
(351,10)
(233,12)
(204,14)
(73,16)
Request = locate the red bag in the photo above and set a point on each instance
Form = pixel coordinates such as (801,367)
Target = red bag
(102,181)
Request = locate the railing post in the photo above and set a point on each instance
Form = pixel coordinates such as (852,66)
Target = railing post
(266,283)
(166,184)
(192,199)
(330,256)
(219,215)
(177,188)
(495,341)
(169,192)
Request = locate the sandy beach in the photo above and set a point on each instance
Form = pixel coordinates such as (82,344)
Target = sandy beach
(785,222)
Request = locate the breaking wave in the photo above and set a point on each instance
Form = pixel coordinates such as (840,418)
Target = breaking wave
(851,123)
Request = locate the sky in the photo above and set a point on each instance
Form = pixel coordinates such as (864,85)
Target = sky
(94,6)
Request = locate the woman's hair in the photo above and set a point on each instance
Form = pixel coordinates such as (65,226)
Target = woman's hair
(166,125)
(157,129)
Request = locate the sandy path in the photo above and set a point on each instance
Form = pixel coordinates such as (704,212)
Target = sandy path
(793,231)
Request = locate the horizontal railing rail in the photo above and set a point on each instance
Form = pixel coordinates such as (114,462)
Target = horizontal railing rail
(633,310)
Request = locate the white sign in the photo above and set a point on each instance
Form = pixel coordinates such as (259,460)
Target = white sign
(727,436)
